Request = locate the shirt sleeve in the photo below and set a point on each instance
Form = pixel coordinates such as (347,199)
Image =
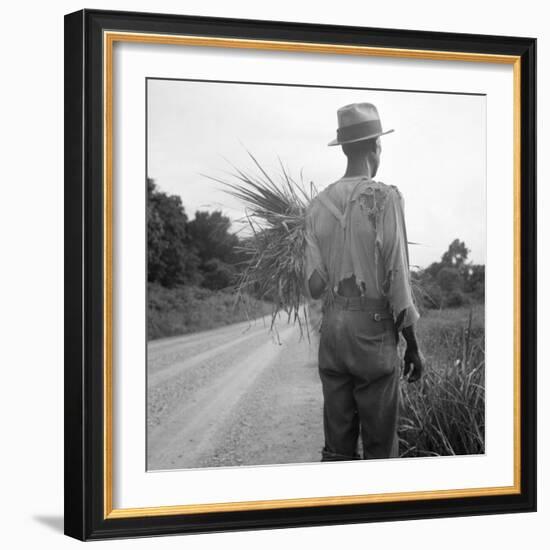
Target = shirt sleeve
(395,253)
(313,259)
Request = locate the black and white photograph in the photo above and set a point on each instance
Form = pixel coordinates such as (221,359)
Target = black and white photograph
(315,274)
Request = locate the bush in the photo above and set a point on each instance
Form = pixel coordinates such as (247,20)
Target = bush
(455,298)
(449,279)
(218,275)
(185,309)
(427,295)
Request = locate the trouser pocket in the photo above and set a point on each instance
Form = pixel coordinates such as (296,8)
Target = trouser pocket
(375,353)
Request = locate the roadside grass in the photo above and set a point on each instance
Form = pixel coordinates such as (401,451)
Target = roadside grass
(444,412)
(185,309)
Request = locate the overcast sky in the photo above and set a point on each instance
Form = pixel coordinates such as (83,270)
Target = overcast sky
(436,156)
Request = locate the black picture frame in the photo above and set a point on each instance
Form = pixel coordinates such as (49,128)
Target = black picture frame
(85,516)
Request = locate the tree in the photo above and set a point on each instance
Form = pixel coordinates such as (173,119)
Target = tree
(475,281)
(171,257)
(216,247)
(210,234)
(453,281)
(456,255)
(218,275)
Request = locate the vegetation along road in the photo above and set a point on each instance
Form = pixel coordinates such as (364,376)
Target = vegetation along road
(237,395)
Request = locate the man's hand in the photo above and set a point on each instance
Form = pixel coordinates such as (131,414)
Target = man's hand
(316,285)
(413,364)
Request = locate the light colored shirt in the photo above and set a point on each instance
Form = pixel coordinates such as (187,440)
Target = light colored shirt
(356,227)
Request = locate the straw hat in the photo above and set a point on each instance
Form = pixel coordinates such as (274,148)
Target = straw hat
(356,122)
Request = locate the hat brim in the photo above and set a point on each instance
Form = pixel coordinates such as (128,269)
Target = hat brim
(336,142)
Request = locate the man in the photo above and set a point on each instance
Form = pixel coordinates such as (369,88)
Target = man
(357,259)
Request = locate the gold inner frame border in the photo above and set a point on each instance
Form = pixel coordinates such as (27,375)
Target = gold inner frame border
(109,39)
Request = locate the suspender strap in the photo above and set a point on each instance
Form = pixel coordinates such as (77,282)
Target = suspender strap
(342,218)
(333,209)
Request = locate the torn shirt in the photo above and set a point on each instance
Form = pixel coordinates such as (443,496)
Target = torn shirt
(356,227)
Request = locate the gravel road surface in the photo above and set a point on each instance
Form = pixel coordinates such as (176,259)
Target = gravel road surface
(237,395)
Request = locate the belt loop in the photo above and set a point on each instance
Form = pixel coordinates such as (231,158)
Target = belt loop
(346,304)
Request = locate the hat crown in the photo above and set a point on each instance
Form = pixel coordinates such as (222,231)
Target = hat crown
(356,113)
(357,122)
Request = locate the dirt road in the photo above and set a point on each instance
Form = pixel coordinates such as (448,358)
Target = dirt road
(233,396)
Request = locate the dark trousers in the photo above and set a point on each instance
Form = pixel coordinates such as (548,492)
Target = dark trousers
(359,371)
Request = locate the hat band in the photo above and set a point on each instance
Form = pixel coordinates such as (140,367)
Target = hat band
(359,130)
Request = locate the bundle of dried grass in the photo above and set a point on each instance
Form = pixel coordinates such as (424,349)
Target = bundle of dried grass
(275,212)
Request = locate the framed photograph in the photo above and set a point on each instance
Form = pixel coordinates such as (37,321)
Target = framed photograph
(300,274)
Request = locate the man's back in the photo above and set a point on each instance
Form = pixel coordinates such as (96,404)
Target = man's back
(356,230)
